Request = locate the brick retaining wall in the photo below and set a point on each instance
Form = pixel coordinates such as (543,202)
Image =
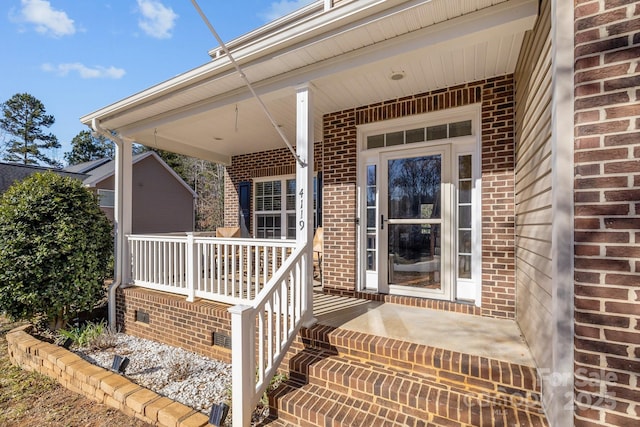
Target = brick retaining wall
(98,384)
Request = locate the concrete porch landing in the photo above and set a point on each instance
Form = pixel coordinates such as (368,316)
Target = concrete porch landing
(481,336)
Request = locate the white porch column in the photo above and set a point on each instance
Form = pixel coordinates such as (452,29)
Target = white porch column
(304,184)
(123,201)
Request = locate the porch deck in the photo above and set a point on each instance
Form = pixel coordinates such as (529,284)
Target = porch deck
(482,336)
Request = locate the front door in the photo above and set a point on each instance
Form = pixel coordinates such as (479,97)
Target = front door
(419,203)
(414,223)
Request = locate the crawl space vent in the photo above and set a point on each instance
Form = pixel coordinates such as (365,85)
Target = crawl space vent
(221,340)
(141,316)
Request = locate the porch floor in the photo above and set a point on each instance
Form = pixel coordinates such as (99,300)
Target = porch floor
(482,336)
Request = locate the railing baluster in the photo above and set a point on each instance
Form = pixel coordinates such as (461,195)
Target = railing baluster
(227,270)
(233,269)
(261,345)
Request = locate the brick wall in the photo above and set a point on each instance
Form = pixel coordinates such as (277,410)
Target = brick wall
(340,155)
(607,224)
(174,321)
(498,198)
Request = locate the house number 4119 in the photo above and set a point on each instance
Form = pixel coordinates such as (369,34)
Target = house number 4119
(301,223)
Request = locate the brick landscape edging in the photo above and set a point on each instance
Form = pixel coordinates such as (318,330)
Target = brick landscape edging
(98,384)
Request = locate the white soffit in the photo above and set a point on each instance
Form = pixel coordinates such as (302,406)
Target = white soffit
(436,44)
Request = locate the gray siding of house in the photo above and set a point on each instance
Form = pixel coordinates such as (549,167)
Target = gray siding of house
(161,204)
(534,190)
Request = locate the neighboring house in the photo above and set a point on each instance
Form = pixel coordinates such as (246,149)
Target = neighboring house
(162,202)
(13,172)
(471,156)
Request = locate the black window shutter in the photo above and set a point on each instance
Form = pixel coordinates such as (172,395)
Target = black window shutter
(244,194)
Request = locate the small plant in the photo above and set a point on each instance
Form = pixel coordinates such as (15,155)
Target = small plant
(179,370)
(275,382)
(91,335)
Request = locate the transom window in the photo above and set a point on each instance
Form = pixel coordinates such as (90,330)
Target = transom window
(421,134)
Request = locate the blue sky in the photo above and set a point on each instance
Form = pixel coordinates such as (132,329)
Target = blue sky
(77,56)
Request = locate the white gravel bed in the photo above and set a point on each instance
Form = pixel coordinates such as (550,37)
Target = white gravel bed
(180,375)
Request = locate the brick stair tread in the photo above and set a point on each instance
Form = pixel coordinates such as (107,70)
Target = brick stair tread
(430,360)
(346,378)
(314,405)
(347,375)
(300,363)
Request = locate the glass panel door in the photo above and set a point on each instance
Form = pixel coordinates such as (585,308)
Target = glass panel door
(413,223)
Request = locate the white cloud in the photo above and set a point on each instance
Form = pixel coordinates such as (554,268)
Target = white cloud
(157,19)
(96,72)
(280,8)
(46,19)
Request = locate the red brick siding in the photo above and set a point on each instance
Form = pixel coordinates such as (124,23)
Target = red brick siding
(177,322)
(498,199)
(340,210)
(607,224)
(174,321)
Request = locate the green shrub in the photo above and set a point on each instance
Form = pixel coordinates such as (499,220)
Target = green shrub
(55,245)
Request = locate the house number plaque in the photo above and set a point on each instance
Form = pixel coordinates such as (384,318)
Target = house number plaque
(301,223)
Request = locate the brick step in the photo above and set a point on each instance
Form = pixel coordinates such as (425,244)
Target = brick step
(341,385)
(300,363)
(476,373)
(313,405)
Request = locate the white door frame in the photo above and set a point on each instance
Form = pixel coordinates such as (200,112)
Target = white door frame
(460,289)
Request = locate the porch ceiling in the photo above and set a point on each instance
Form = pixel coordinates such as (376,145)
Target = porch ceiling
(347,53)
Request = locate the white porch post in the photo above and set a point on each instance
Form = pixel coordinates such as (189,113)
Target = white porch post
(304,184)
(123,201)
(243,331)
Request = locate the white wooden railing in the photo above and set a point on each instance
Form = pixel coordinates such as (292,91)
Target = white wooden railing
(262,333)
(227,270)
(266,281)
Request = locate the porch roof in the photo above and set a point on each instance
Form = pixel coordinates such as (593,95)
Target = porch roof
(349,54)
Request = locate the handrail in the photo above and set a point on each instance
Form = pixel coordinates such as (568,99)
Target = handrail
(263,332)
(226,270)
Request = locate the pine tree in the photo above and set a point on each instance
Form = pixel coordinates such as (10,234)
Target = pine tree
(23,119)
(86,147)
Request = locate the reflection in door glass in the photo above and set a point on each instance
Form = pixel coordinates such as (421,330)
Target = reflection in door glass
(414,188)
(414,255)
(415,240)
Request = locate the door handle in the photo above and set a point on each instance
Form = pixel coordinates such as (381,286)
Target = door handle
(382,222)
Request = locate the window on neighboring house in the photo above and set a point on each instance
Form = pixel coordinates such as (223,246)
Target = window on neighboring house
(275,208)
(106,198)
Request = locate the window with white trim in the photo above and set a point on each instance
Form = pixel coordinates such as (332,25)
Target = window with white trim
(275,207)
(106,198)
